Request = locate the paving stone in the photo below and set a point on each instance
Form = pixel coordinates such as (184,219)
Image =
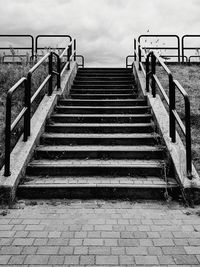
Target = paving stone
(173,250)
(66,250)
(192,249)
(163,242)
(17,259)
(4,259)
(81,250)
(7,234)
(56,260)
(146,260)
(128,260)
(95,250)
(128,242)
(71,260)
(106,260)
(40,242)
(185,259)
(29,250)
(48,250)
(154,251)
(23,241)
(11,250)
(136,251)
(93,242)
(36,259)
(166,260)
(117,251)
(87,260)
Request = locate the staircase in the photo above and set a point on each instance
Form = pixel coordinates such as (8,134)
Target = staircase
(100,142)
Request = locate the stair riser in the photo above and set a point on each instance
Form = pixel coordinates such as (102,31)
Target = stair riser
(85,110)
(101,74)
(102,91)
(101,120)
(98,154)
(100,82)
(92,171)
(100,96)
(94,193)
(99,141)
(110,72)
(102,103)
(105,129)
(104,79)
(93,87)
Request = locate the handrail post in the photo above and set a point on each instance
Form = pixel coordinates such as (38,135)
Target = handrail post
(27,115)
(134,47)
(153,69)
(50,73)
(147,73)
(68,57)
(188,139)
(140,57)
(59,72)
(7,137)
(172,106)
(74,49)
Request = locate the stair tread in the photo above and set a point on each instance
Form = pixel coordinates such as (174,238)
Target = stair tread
(102,135)
(97,182)
(101,124)
(103,107)
(121,95)
(102,100)
(97,148)
(102,115)
(119,163)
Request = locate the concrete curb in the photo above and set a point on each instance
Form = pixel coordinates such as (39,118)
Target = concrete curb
(23,151)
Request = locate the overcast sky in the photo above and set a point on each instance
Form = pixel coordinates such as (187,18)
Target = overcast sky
(104,28)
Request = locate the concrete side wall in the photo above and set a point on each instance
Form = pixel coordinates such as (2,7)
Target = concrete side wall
(23,151)
(176,150)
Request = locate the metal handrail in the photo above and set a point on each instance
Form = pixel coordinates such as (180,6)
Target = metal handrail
(150,61)
(188,47)
(171,101)
(10,127)
(20,36)
(47,36)
(166,47)
(127,58)
(189,61)
(26,111)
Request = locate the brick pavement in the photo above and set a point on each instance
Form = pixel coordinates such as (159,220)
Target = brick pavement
(100,233)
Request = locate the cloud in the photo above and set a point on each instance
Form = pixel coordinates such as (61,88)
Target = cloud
(104,28)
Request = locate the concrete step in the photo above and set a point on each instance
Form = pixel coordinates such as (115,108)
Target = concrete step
(104,96)
(107,70)
(102,102)
(100,127)
(101,118)
(102,91)
(98,152)
(96,187)
(91,167)
(123,78)
(101,87)
(100,83)
(102,110)
(100,139)
(104,74)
